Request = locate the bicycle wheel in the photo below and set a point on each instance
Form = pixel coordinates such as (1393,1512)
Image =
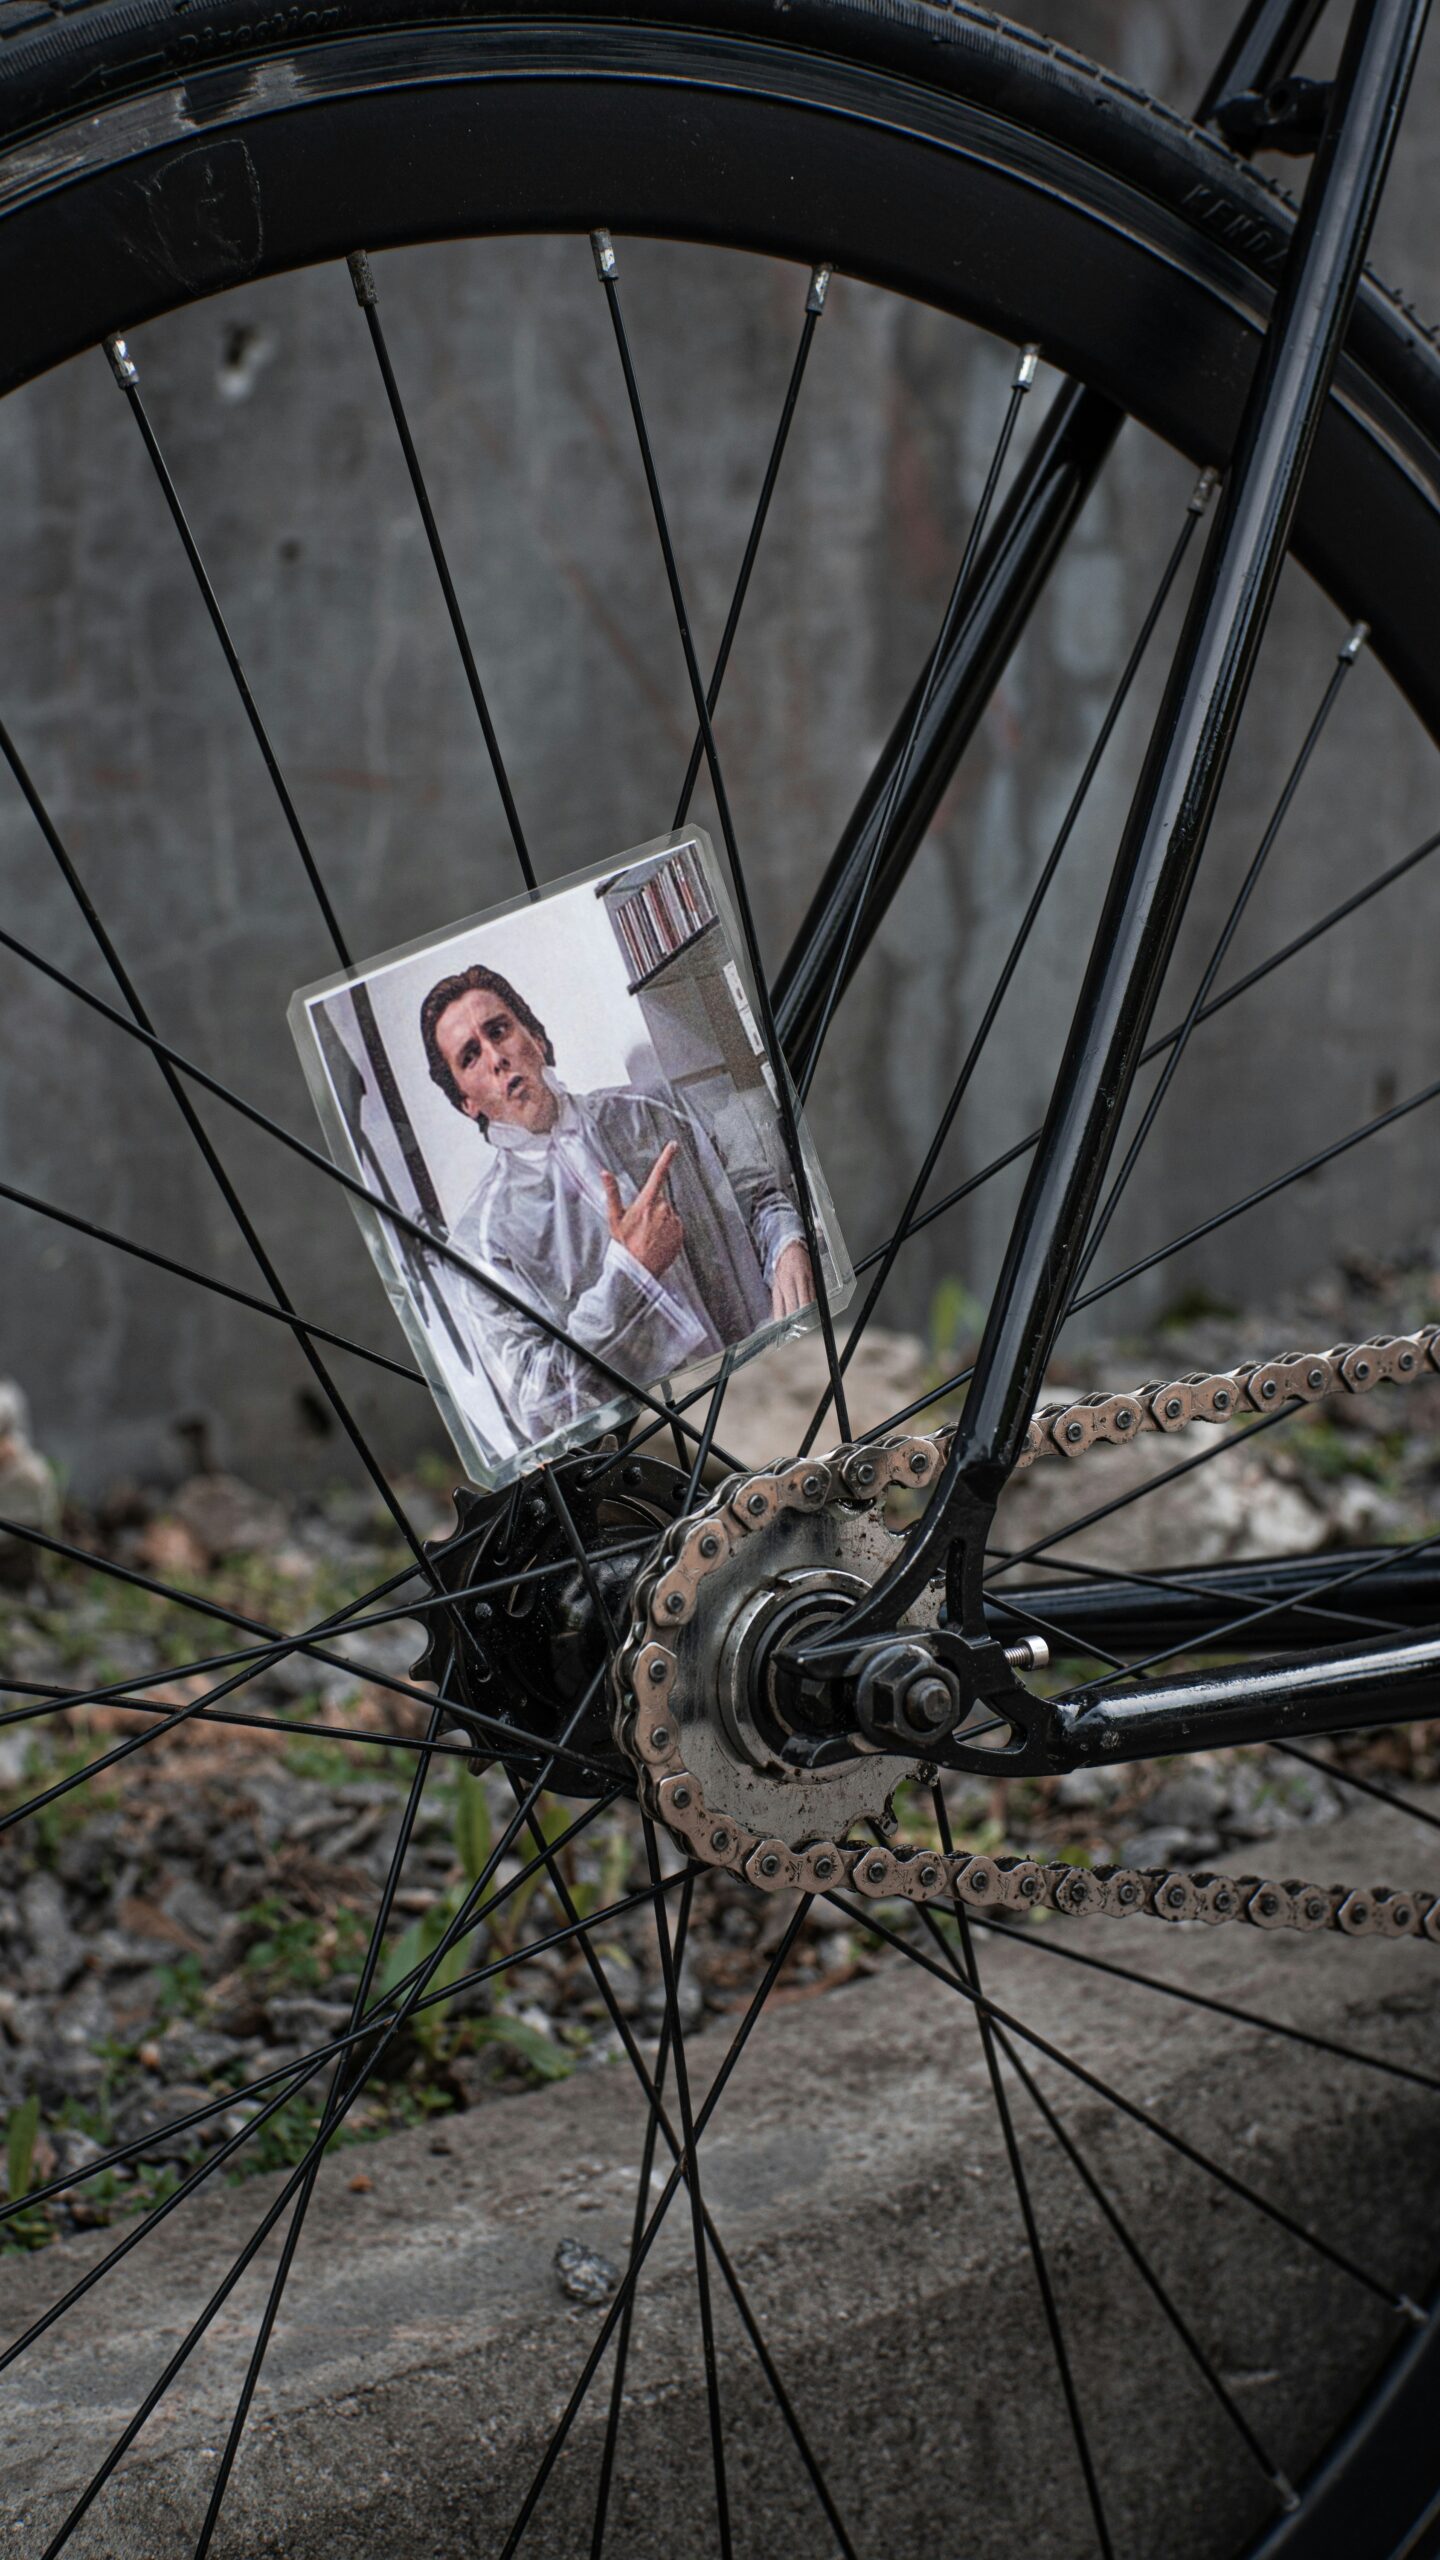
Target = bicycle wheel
(151,163)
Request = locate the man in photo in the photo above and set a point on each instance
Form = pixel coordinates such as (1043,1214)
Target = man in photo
(614,1214)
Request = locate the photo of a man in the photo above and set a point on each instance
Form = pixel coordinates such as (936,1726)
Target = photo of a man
(566,1126)
(613,1213)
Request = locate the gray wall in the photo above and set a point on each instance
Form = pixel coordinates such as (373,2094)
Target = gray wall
(270,411)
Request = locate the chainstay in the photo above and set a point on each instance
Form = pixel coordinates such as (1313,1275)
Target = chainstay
(862,1474)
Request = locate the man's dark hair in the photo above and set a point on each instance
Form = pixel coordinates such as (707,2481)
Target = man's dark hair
(474,981)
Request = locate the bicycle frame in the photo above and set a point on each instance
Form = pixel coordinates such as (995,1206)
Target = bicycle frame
(1155,868)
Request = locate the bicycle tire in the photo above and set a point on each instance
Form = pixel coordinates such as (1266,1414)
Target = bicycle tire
(148,159)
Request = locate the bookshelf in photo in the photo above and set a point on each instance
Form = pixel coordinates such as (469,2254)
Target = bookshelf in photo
(697,1013)
(657,917)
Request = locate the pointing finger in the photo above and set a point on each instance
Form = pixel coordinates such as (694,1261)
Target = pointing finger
(612,1200)
(661,1166)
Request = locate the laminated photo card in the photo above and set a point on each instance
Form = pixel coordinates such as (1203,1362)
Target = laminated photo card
(568,1127)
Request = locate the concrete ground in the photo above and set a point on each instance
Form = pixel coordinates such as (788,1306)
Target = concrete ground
(857,2176)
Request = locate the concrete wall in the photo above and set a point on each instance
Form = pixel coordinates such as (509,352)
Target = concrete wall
(271,414)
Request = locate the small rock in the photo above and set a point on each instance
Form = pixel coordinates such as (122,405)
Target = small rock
(29,1494)
(229,1518)
(303,2022)
(1169,1847)
(689,1999)
(584,2275)
(56,1953)
(1083,1790)
(1193,1801)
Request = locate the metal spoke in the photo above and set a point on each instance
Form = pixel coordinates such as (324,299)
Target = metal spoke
(203,1280)
(284,1646)
(461,1924)
(605,268)
(816,292)
(139,1023)
(691,2164)
(1263,1191)
(865,1917)
(1362,1786)
(1345,660)
(1047,1943)
(631,2276)
(174,1064)
(967,1970)
(366,295)
(301,2206)
(1185,1589)
(1023,931)
(1137,1492)
(1204,2364)
(1277,959)
(1215,1636)
(304,2067)
(653,2089)
(959,597)
(127,374)
(658,2122)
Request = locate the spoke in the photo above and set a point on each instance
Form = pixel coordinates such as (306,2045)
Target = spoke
(390,1681)
(631,2277)
(457,1928)
(366,295)
(285,1645)
(905,1224)
(1047,1943)
(1204,2365)
(658,2121)
(966,1969)
(866,1918)
(1166,1040)
(137,1022)
(959,597)
(174,1064)
(1344,662)
(287,1725)
(1184,1589)
(605,268)
(296,2225)
(203,1280)
(126,372)
(819,286)
(690,2161)
(653,2090)
(1251,1200)
(305,2066)
(1215,1636)
(1137,1492)
(1363,1786)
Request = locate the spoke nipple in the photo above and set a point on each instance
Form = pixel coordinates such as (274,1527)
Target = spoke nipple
(1355,643)
(1412,2310)
(819,287)
(1203,491)
(606,267)
(1027,368)
(122,364)
(1286,2492)
(362,279)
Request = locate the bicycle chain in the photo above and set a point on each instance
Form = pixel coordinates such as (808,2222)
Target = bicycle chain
(860,1475)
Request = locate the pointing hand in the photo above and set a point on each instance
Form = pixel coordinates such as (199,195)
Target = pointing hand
(650,1228)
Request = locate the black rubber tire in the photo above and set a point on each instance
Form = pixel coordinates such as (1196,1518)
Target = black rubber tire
(153,151)
(158,150)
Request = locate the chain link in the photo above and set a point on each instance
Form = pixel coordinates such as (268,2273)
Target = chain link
(664,1597)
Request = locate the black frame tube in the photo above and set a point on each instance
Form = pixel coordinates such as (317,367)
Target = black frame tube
(1282,1698)
(1171,813)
